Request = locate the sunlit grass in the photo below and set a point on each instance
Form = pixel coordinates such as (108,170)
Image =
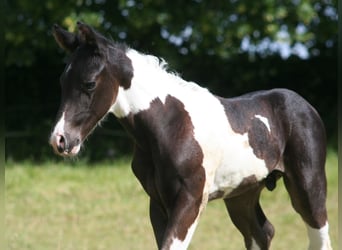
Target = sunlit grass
(63,206)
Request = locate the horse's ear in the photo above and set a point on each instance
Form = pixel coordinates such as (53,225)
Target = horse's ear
(87,34)
(66,40)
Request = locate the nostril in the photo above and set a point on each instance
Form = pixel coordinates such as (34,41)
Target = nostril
(78,141)
(60,143)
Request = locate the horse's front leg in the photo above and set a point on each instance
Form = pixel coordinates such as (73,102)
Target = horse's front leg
(159,221)
(182,219)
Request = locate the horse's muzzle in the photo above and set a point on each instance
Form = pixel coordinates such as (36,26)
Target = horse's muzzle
(64,146)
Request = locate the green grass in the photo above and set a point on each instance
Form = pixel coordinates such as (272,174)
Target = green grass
(63,206)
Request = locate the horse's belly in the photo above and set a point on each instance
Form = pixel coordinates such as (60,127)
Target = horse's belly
(232,165)
(236,167)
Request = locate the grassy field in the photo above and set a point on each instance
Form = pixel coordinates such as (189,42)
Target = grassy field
(67,206)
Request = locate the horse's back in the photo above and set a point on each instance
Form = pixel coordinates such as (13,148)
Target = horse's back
(285,108)
(277,121)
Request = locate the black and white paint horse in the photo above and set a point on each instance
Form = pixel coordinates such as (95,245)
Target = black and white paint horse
(191,146)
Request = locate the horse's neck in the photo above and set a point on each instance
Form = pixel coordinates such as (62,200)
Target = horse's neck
(150,82)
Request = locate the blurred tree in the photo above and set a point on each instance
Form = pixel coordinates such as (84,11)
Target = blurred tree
(229,46)
(197,27)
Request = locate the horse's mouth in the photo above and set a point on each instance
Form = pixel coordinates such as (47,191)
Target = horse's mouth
(71,152)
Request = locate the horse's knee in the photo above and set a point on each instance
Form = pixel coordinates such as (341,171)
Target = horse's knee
(268,230)
(265,230)
(308,200)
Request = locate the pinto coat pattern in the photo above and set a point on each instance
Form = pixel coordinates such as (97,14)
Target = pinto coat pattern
(191,146)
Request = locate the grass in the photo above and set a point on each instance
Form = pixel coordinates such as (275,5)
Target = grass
(63,206)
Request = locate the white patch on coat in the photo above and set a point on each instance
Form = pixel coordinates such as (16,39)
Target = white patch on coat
(150,81)
(319,238)
(146,85)
(228,157)
(264,120)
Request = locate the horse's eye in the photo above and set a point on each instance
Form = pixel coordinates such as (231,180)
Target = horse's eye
(89,86)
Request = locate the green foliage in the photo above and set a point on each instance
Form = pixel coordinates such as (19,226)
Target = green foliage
(68,206)
(202,40)
(216,26)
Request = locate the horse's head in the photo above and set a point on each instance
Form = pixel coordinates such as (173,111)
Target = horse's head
(90,84)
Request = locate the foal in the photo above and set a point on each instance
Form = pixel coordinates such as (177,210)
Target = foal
(192,146)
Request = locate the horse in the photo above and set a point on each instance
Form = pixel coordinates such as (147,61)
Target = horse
(191,146)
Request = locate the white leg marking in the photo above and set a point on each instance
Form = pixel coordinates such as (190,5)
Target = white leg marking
(254,246)
(264,121)
(179,245)
(319,238)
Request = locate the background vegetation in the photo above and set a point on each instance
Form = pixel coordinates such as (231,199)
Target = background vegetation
(231,47)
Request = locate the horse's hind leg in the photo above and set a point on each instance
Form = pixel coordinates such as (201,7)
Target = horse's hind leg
(305,181)
(248,217)
(308,194)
